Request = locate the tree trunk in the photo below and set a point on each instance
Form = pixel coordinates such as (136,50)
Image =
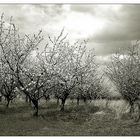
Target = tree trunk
(66,94)
(78,101)
(131,107)
(27,99)
(63,104)
(90,99)
(35,103)
(85,100)
(0,98)
(8,102)
(47,98)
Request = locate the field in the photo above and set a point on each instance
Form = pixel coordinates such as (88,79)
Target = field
(99,118)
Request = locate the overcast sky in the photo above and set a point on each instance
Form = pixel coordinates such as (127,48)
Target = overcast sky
(107,27)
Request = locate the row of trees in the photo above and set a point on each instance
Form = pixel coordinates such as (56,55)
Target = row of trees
(60,69)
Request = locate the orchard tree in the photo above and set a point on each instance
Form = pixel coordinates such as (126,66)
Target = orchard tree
(16,52)
(8,84)
(89,79)
(60,60)
(70,68)
(123,70)
(49,60)
(68,64)
(8,88)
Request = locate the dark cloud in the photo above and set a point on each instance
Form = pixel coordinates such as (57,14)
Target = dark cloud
(118,31)
(120,24)
(124,27)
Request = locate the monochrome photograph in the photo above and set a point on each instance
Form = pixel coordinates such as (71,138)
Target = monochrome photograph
(69,69)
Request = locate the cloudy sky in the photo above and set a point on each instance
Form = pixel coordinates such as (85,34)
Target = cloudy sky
(107,27)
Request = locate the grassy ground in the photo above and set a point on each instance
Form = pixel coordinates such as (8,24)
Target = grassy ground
(84,120)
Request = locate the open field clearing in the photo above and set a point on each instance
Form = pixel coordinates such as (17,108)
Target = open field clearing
(74,121)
